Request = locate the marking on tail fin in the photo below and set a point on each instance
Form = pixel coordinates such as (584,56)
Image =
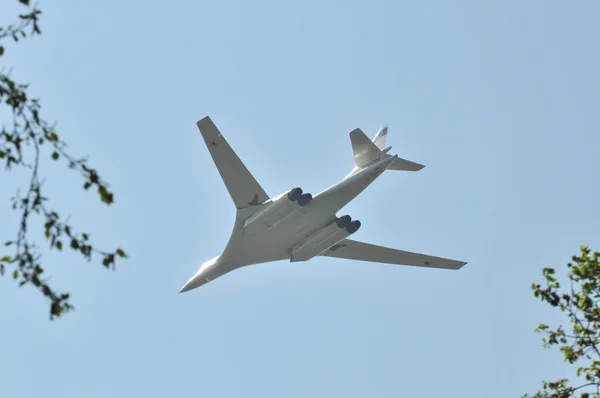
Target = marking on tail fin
(383,131)
(379,139)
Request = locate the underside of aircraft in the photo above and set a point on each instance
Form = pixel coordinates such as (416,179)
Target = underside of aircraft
(296,225)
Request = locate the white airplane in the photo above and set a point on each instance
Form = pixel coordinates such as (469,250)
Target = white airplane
(295,225)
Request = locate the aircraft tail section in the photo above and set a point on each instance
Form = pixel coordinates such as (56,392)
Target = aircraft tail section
(380,137)
(405,165)
(366,150)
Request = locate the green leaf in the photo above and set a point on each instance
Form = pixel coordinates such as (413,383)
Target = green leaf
(5,259)
(108,260)
(59,245)
(121,253)
(1,51)
(56,310)
(74,244)
(10,242)
(105,195)
(55,155)
(15,274)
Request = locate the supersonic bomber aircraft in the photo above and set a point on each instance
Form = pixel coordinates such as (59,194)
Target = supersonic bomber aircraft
(295,225)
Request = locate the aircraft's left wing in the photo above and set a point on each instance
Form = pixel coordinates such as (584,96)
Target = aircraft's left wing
(354,250)
(242,186)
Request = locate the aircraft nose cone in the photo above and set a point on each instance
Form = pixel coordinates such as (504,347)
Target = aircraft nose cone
(195,282)
(189,285)
(185,288)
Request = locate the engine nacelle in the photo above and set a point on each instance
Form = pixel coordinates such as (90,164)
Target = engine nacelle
(353,227)
(304,199)
(343,221)
(276,210)
(294,194)
(322,239)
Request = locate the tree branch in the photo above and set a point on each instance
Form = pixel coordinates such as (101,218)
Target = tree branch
(30,130)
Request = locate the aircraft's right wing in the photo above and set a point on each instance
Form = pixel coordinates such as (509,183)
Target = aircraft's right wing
(242,186)
(354,250)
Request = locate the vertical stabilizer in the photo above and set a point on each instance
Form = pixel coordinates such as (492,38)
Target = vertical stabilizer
(380,137)
(366,150)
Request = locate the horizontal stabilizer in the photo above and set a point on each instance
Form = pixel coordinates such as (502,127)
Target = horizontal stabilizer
(354,250)
(242,186)
(364,149)
(405,165)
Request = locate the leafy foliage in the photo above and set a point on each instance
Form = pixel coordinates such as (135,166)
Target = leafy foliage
(26,138)
(580,345)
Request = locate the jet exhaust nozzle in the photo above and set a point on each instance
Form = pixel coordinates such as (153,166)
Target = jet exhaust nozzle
(343,221)
(294,194)
(353,226)
(304,199)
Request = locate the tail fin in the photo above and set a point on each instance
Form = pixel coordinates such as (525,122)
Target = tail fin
(365,150)
(380,137)
(398,164)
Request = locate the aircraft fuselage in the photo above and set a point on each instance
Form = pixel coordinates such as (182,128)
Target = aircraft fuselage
(278,242)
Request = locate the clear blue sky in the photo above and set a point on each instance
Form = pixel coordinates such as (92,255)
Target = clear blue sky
(499,99)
